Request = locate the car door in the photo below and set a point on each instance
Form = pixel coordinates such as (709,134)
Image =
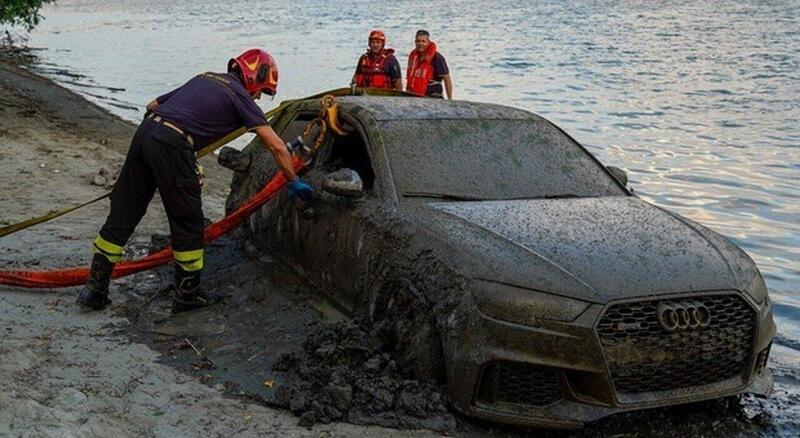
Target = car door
(329,240)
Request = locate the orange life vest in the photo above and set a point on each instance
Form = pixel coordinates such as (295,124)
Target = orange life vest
(420,70)
(371,71)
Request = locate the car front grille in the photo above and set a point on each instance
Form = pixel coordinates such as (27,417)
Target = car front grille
(515,382)
(643,356)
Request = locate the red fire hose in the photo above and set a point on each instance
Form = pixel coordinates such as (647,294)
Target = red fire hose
(78,276)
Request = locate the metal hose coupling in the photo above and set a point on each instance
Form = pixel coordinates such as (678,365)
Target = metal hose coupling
(298,147)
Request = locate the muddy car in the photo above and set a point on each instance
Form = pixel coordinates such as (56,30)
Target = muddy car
(497,254)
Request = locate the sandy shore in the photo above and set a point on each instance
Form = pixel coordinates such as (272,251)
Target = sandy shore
(64,372)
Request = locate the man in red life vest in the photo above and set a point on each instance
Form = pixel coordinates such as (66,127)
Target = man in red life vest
(378,68)
(427,69)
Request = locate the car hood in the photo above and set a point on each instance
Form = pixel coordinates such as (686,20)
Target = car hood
(595,249)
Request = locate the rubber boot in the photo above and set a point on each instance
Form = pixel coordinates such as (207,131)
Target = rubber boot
(94,295)
(188,295)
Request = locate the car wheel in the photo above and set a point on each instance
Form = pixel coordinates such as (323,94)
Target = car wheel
(405,322)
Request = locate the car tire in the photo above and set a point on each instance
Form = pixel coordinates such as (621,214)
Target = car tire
(404,320)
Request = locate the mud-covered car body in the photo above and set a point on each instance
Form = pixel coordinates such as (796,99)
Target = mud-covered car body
(497,253)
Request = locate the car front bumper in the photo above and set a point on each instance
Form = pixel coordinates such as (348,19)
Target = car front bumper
(558,374)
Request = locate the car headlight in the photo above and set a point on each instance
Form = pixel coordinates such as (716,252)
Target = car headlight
(756,288)
(524,306)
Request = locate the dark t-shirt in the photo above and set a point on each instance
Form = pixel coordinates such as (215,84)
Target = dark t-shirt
(392,68)
(210,106)
(440,69)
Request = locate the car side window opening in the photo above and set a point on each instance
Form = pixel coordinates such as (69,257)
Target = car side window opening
(297,126)
(351,152)
(338,152)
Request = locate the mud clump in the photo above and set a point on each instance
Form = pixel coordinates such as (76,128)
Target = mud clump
(106,177)
(344,374)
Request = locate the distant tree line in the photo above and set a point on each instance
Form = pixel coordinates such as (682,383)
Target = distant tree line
(23,13)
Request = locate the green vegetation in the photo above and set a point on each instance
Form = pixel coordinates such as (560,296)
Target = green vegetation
(23,13)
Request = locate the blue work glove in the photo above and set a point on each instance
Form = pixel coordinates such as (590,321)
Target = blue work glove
(299,190)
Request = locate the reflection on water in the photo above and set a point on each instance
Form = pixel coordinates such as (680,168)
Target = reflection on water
(698,101)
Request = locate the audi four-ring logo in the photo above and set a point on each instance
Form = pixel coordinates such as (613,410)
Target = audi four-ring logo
(684,315)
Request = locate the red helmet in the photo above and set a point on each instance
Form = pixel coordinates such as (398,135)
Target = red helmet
(259,71)
(377,35)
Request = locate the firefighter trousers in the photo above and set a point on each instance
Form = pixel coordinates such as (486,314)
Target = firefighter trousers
(159,158)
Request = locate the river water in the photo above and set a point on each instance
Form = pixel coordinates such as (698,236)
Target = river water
(698,100)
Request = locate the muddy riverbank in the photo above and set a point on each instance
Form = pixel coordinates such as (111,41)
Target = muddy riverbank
(64,372)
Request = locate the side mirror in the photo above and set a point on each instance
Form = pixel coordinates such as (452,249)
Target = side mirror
(344,182)
(619,174)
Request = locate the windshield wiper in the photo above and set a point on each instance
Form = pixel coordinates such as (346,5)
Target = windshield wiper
(564,196)
(528,198)
(451,197)
(445,196)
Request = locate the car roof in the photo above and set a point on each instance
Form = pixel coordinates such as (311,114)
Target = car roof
(386,108)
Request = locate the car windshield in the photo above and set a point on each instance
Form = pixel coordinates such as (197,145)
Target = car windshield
(463,159)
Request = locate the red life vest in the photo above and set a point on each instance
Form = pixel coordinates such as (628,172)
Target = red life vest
(420,70)
(371,71)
